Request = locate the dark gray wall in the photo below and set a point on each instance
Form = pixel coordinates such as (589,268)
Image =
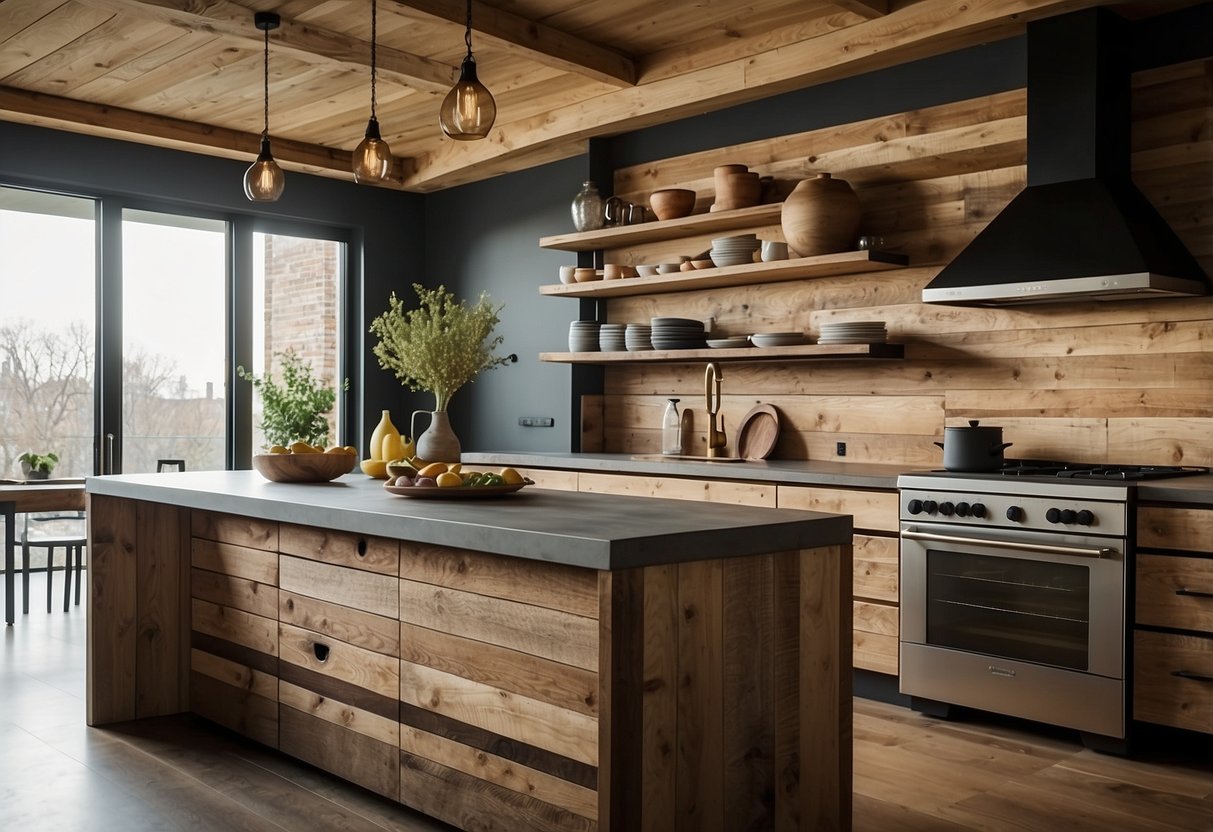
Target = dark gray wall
(484,237)
(388,226)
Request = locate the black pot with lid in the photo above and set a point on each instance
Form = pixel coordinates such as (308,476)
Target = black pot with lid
(973,447)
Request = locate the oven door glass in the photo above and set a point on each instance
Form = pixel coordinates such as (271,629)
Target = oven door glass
(1031,610)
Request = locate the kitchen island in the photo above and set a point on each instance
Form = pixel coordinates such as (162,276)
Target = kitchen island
(544,660)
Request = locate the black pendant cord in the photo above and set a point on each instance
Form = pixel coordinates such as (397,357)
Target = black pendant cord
(374,39)
(265,131)
(467,35)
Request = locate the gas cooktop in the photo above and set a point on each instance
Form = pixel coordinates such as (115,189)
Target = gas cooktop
(1090,471)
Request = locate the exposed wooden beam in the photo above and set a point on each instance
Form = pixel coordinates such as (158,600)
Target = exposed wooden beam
(534,41)
(867,8)
(919,30)
(25,107)
(306,42)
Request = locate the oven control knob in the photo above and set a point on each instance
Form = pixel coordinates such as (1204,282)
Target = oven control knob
(1085,518)
(1053,515)
(914,506)
(962,509)
(929,506)
(1014,513)
(1068,516)
(978,509)
(946,509)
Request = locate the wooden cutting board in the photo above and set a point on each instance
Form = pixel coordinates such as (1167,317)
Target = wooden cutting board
(758,432)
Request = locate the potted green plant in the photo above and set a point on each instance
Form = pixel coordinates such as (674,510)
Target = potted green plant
(294,409)
(37,466)
(437,347)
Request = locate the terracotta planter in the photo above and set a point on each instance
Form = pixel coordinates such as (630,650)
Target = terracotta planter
(821,216)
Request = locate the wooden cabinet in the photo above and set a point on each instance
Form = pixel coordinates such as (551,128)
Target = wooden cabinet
(233,623)
(1173,637)
(875,569)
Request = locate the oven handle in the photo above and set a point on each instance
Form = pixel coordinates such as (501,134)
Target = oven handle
(1044,548)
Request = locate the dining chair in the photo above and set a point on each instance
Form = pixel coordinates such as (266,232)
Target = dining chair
(163,465)
(51,531)
(9,511)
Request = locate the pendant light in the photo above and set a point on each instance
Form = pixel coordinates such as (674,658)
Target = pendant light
(468,110)
(372,160)
(264,180)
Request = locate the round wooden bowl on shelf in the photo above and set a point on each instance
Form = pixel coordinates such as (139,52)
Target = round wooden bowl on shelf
(672,203)
(302,467)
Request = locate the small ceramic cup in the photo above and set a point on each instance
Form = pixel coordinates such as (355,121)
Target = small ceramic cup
(612,271)
(774,250)
(669,268)
(566,273)
(646,270)
(584,274)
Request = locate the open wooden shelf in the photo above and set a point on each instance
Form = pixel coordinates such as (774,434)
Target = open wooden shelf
(823,265)
(620,236)
(807,352)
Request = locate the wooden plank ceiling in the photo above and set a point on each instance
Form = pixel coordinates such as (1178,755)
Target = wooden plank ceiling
(187,73)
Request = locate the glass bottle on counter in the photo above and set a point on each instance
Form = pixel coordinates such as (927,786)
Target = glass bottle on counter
(671,429)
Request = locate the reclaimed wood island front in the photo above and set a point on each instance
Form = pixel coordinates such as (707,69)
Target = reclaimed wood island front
(542,661)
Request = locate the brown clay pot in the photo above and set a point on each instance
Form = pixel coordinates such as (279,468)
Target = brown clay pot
(720,176)
(821,216)
(741,190)
(671,203)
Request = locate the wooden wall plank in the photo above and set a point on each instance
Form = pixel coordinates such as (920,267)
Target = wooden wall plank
(354,756)
(112,589)
(236,626)
(235,529)
(239,709)
(369,591)
(342,714)
(361,629)
(234,674)
(700,777)
(785,654)
(230,591)
(621,780)
(229,559)
(159,616)
(660,703)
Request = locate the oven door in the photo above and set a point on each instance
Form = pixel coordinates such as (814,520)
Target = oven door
(1047,599)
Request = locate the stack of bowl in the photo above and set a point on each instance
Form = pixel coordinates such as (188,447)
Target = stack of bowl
(583,336)
(637,337)
(734,251)
(854,332)
(677,334)
(611,337)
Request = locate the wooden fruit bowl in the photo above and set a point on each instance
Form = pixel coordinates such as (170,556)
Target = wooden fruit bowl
(303,467)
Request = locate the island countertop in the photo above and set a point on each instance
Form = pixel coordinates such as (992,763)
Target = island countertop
(595,531)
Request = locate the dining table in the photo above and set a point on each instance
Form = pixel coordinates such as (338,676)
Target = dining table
(21,496)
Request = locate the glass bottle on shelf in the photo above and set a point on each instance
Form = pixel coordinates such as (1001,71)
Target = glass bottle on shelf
(588,206)
(671,429)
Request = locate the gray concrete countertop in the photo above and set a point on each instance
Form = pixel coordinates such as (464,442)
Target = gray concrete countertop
(782,471)
(1196,490)
(598,531)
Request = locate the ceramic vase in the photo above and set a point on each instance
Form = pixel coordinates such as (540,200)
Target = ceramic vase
(821,216)
(588,208)
(385,426)
(438,443)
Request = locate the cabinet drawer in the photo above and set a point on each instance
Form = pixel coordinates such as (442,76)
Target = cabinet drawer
(349,674)
(230,559)
(873,510)
(369,591)
(1161,696)
(230,591)
(373,554)
(247,711)
(357,627)
(1185,529)
(1175,592)
(354,756)
(675,488)
(231,528)
(875,636)
(876,568)
(547,478)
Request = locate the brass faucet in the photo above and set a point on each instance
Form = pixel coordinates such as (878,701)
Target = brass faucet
(716,437)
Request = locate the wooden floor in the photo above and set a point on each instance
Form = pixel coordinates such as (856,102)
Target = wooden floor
(179,773)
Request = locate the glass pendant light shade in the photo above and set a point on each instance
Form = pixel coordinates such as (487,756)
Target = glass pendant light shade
(468,111)
(372,161)
(264,180)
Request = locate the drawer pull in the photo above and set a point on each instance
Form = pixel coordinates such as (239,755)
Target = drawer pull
(1194,593)
(361,548)
(1195,677)
(320,651)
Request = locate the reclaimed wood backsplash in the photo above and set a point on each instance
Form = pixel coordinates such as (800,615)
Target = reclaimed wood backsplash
(1122,382)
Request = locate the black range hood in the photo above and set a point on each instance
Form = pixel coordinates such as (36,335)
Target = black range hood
(1080,230)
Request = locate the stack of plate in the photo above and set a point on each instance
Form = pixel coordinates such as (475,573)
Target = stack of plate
(733,342)
(733,251)
(854,332)
(778,339)
(677,334)
(611,337)
(583,336)
(637,337)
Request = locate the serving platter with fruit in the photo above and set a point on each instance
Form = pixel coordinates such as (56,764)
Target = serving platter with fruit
(448,481)
(301,462)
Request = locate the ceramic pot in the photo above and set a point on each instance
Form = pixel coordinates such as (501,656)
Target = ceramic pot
(438,443)
(741,190)
(973,448)
(821,216)
(375,448)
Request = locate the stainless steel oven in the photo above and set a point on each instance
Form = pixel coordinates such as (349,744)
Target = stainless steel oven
(1013,597)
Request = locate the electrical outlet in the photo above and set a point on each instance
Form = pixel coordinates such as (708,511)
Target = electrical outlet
(840,448)
(536,421)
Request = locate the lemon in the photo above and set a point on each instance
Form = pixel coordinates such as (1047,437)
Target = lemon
(511,477)
(278,449)
(302,448)
(448,479)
